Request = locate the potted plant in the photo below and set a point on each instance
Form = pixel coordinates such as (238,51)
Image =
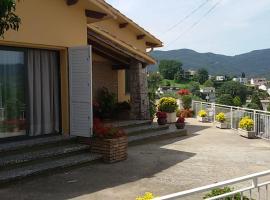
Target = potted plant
(110,142)
(180,123)
(168,105)
(182,93)
(162,118)
(220,121)
(246,128)
(202,116)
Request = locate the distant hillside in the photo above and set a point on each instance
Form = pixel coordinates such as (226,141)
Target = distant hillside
(255,63)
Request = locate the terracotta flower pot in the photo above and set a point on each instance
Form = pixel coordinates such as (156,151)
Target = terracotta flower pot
(162,121)
(180,125)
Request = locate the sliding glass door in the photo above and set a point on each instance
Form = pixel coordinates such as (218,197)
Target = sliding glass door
(12,93)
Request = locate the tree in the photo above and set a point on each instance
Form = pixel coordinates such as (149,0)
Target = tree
(243,75)
(237,101)
(154,80)
(179,77)
(194,88)
(209,83)
(225,99)
(168,68)
(201,76)
(234,89)
(253,106)
(256,101)
(8,18)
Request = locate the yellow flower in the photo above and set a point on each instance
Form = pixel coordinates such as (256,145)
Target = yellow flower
(246,123)
(202,113)
(147,196)
(221,117)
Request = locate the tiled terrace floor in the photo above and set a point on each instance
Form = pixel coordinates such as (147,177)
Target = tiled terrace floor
(206,156)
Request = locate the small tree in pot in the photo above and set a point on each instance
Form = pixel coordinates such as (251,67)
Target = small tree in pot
(180,123)
(221,121)
(202,116)
(162,118)
(246,128)
(168,105)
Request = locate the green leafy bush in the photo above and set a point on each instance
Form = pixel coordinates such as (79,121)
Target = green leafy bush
(220,191)
(187,101)
(237,101)
(167,104)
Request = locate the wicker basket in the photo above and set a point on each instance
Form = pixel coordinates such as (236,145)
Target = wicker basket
(112,150)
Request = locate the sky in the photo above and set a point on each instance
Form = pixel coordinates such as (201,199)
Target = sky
(233,27)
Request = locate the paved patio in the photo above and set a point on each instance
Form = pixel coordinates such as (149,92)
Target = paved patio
(206,156)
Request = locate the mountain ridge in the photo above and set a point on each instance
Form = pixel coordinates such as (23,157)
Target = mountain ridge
(253,63)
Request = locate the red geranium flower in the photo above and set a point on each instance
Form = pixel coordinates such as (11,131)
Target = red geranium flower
(183,92)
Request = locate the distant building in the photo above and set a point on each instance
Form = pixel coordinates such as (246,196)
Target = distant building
(209,93)
(241,80)
(258,81)
(189,74)
(263,87)
(220,78)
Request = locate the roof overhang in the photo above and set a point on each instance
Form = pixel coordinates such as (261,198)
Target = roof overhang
(118,45)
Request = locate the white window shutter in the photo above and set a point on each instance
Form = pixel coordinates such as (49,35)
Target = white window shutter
(80,84)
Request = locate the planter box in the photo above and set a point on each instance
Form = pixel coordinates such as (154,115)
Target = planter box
(221,125)
(171,117)
(202,119)
(247,134)
(180,125)
(112,150)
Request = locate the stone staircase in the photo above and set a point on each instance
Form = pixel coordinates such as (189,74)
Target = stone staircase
(21,159)
(146,131)
(35,156)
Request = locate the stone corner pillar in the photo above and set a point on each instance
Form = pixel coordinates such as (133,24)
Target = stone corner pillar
(139,99)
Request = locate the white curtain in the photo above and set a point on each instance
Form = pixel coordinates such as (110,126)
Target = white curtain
(43,92)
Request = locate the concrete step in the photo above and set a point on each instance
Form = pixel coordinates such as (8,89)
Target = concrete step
(145,129)
(172,132)
(39,154)
(53,165)
(29,144)
(130,123)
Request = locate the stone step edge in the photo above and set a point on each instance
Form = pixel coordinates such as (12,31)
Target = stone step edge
(146,129)
(35,142)
(57,167)
(62,151)
(134,140)
(133,125)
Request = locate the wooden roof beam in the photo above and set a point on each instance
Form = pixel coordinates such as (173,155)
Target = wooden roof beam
(123,25)
(95,14)
(150,44)
(140,37)
(71,2)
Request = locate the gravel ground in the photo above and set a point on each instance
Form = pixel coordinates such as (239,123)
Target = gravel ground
(206,156)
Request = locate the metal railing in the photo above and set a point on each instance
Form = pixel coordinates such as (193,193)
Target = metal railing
(254,190)
(235,114)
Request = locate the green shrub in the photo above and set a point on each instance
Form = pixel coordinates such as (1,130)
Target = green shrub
(237,101)
(220,191)
(225,99)
(167,104)
(187,101)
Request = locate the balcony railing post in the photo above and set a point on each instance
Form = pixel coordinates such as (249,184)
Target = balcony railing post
(231,117)
(255,121)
